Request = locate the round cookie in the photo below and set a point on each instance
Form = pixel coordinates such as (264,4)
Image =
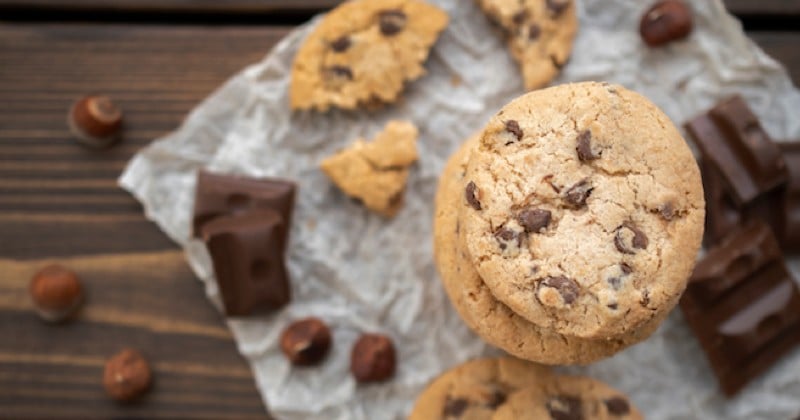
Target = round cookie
(474,390)
(540,34)
(363,52)
(486,316)
(568,397)
(583,210)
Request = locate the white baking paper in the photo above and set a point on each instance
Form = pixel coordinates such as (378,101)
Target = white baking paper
(362,273)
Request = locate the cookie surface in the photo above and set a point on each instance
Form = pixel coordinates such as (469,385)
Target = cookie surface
(486,316)
(474,390)
(376,172)
(539,33)
(583,210)
(363,52)
(568,397)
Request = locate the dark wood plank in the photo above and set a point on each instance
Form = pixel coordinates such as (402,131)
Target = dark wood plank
(764,7)
(784,47)
(192,6)
(150,301)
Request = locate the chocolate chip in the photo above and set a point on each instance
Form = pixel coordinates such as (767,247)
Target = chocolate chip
(341,44)
(667,211)
(577,194)
(557,7)
(496,400)
(645,298)
(506,235)
(534,220)
(629,238)
(612,306)
(565,286)
(585,152)
(519,17)
(392,21)
(471,193)
(534,31)
(565,407)
(455,407)
(617,406)
(626,268)
(512,126)
(341,72)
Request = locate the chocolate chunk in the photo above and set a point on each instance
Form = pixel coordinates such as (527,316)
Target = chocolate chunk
(790,208)
(743,305)
(218,195)
(617,406)
(392,22)
(520,17)
(454,407)
(340,72)
(577,194)
(373,358)
(341,44)
(626,268)
(667,211)
(565,286)
(731,139)
(496,399)
(512,126)
(534,220)
(612,306)
(584,148)
(534,31)
(471,193)
(565,407)
(247,252)
(628,238)
(665,22)
(557,7)
(506,236)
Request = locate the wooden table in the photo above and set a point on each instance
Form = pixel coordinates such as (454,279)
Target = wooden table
(59,201)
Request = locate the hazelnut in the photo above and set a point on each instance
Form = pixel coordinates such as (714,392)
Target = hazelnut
(372,358)
(95,121)
(56,293)
(664,22)
(127,376)
(306,342)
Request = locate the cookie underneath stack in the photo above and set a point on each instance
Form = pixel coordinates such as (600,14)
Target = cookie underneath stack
(566,230)
(507,388)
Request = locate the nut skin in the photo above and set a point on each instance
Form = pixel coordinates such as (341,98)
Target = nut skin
(95,121)
(56,293)
(127,376)
(664,22)
(306,342)
(373,358)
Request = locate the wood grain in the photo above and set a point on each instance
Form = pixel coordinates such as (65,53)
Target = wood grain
(764,7)
(177,6)
(149,301)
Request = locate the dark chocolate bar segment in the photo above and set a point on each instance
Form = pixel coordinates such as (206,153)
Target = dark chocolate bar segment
(248,254)
(743,305)
(732,139)
(218,195)
(791,208)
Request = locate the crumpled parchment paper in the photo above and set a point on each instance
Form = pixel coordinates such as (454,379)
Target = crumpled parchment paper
(363,273)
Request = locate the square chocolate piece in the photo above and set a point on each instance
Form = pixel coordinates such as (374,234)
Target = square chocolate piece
(744,306)
(791,205)
(732,139)
(248,254)
(218,195)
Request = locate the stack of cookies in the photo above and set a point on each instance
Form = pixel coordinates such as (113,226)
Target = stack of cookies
(566,230)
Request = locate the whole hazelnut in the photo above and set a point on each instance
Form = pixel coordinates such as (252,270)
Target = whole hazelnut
(664,22)
(95,121)
(56,293)
(127,376)
(306,342)
(372,358)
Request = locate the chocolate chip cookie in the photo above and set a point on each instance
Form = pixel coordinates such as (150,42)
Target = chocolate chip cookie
(539,33)
(475,389)
(567,398)
(364,52)
(375,172)
(492,320)
(583,210)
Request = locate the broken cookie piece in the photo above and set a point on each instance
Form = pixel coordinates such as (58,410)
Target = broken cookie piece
(375,173)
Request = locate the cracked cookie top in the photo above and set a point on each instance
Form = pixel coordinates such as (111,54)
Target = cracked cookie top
(539,34)
(363,52)
(583,209)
